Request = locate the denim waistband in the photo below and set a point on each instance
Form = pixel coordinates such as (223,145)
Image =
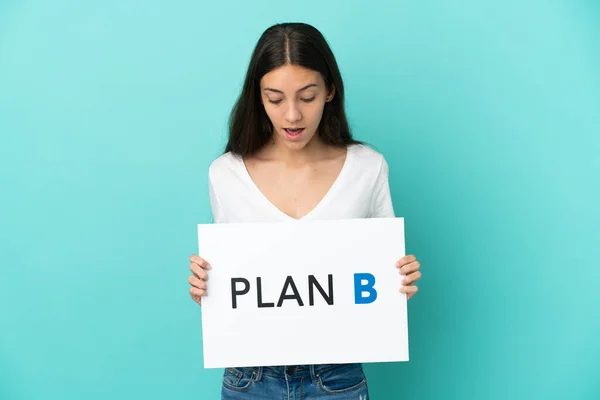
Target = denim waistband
(291,371)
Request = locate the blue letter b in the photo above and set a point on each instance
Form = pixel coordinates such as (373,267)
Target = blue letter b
(359,288)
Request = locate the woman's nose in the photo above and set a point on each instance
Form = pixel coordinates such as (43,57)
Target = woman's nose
(293,113)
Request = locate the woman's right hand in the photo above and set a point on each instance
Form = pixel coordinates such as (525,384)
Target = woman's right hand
(198,278)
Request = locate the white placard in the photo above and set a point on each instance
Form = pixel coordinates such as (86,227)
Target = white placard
(336,323)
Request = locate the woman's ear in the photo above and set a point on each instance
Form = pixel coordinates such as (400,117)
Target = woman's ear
(331,93)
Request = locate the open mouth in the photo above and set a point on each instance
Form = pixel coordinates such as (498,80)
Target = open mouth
(293,133)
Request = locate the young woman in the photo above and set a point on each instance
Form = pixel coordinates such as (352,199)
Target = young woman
(290,157)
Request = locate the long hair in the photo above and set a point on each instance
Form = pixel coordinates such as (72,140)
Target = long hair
(296,44)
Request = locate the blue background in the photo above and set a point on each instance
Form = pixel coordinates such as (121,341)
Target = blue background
(487,112)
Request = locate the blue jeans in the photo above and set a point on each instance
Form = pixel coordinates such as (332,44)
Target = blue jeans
(300,382)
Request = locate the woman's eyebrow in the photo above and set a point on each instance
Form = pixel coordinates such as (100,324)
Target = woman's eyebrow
(297,91)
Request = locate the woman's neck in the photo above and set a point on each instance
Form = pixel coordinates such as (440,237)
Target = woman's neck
(277,150)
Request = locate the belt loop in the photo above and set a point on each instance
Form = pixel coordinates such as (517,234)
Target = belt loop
(259,373)
(313,374)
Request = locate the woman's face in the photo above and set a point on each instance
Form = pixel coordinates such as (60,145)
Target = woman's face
(294,98)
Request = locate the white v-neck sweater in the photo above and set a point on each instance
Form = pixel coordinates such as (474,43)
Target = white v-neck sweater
(361,190)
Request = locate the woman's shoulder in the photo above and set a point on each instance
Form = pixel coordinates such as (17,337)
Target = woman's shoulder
(367,156)
(363,156)
(226,163)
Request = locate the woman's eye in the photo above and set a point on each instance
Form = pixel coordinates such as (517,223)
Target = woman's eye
(274,101)
(308,100)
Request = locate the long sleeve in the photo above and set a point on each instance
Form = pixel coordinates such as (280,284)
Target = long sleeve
(381,203)
(214,203)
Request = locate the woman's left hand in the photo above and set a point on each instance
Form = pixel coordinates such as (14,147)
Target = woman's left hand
(409,266)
